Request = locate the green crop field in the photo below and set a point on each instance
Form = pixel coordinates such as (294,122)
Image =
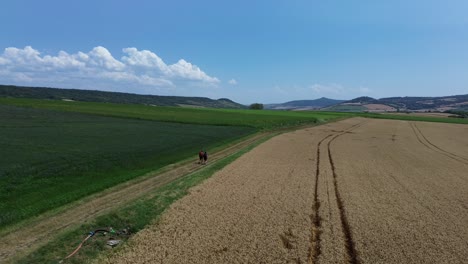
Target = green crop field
(208,116)
(56,152)
(50,158)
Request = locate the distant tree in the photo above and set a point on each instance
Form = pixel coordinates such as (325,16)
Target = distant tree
(256,106)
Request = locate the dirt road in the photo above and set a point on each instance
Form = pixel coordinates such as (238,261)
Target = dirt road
(20,241)
(355,191)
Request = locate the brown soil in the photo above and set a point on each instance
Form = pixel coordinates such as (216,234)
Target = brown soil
(21,240)
(379,108)
(355,191)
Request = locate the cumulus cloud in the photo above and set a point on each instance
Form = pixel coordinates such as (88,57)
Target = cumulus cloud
(144,59)
(98,67)
(186,70)
(232,81)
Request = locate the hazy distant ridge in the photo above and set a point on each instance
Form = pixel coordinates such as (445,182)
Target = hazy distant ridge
(391,104)
(305,104)
(113,97)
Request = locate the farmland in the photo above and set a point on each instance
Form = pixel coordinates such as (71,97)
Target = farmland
(55,153)
(355,191)
(297,197)
(50,158)
(205,116)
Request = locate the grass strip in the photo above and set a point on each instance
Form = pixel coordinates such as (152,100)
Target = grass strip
(136,215)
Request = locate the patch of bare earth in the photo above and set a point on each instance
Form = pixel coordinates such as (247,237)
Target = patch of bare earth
(379,108)
(355,191)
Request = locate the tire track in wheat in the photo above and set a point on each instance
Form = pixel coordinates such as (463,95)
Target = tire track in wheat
(423,140)
(351,252)
(463,159)
(314,248)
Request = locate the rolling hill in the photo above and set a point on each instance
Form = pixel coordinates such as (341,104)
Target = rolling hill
(305,104)
(412,104)
(113,97)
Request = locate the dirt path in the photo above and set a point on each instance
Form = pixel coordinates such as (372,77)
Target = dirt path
(19,242)
(355,191)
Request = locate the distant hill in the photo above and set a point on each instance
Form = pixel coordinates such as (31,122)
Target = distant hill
(428,103)
(305,104)
(414,104)
(363,100)
(113,97)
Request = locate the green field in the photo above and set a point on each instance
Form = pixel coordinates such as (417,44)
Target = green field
(50,158)
(264,119)
(56,152)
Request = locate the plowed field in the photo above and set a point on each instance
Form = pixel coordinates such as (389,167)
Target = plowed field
(355,191)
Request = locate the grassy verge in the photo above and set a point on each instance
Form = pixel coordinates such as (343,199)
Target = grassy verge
(136,215)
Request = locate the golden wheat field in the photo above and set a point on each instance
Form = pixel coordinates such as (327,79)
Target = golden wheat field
(355,191)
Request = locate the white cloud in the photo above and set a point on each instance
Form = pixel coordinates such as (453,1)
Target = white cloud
(99,68)
(186,70)
(144,58)
(3,61)
(65,61)
(101,57)
(232,82)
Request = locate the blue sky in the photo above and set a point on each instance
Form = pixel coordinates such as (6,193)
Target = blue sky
(248,51)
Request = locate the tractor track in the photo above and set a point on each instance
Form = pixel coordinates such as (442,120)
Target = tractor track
(423,140)
(351,251)
(314,247)
(465,160)
(20,241)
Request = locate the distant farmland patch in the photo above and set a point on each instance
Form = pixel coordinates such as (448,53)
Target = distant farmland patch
(347,108)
